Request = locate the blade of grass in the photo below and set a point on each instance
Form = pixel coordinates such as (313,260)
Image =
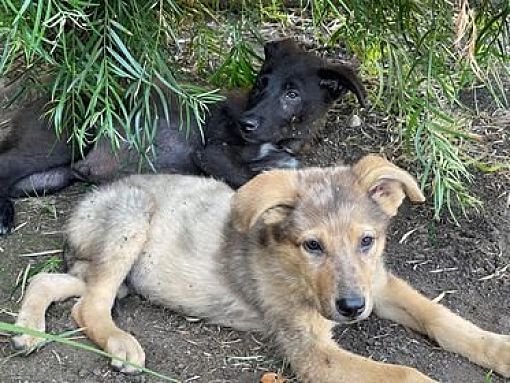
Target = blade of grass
(10,328)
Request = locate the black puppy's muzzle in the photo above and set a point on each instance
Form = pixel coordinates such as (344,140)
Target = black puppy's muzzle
(351,306)
(250,129)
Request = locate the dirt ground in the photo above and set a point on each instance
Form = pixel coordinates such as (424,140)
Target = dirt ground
(467,266)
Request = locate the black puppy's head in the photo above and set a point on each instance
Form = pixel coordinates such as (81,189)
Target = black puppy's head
(293,89)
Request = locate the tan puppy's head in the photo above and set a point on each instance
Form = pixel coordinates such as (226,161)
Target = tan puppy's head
(322,231)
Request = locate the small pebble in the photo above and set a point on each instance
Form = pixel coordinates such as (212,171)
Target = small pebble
(83,373)
(354,121)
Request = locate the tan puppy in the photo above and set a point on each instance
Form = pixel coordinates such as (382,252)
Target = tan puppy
(292,253)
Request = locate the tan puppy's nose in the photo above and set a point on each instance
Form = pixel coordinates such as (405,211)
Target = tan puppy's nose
(350,306)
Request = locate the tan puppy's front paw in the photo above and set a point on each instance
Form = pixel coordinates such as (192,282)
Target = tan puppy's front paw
(125,347)
(25,342)
(497,354)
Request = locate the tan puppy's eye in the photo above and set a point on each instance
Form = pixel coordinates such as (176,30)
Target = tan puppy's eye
(367,242)
(313,246)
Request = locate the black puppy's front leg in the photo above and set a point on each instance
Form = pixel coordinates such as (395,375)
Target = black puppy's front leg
(224,162)
(6,215)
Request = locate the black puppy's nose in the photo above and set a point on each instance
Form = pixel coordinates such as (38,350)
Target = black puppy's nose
(350,307)
(249,124)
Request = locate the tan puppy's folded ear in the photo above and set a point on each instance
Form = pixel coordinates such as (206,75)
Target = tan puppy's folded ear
(266,191)
(386,183)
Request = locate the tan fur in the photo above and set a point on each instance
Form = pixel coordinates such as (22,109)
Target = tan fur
(270,189)
(388,183)
(241,260)
(44,289)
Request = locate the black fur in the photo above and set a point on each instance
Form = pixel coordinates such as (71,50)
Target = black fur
(243,135)
(6,215)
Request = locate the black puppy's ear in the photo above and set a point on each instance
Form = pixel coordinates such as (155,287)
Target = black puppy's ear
(337,78)
(280,48)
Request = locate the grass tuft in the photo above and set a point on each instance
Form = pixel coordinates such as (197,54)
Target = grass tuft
(106,65)
(423,54)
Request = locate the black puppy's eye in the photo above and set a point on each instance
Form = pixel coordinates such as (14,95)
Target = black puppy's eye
(313,246)
(366,242)
(292,94)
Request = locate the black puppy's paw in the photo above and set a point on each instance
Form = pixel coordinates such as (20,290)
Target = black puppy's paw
(81,170)
(6,215)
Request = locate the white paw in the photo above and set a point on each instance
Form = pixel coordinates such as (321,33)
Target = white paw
(126,348)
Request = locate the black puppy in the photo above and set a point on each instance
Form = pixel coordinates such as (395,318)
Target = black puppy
(284,112)
(243,135)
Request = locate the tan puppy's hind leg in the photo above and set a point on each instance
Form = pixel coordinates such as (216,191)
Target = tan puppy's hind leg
(93,310)
(43,289)
(109,231)
(397,301)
